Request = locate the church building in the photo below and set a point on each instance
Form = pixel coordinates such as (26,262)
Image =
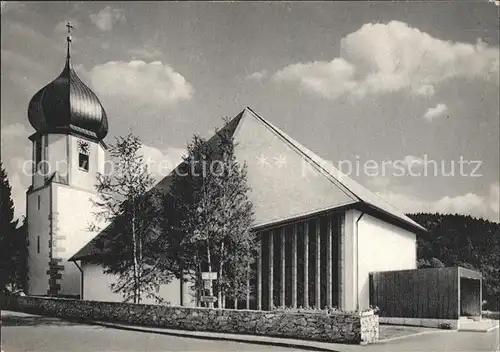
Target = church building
(320,232)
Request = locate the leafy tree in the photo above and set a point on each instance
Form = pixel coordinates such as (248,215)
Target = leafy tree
(238,245)
(132,208)
(185,213)
(208,214)
(13,249)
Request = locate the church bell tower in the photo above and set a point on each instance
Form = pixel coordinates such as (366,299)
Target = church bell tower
(68,151)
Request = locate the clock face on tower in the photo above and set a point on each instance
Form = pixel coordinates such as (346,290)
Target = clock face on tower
(83,147)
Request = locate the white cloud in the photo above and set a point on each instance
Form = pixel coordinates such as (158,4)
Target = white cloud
(19,188)
(494,197)
(435,112)
(327,79)
(385,58)
(425,90)
(469,204)
(161,162)
(107,18)
(257,76)
(138,82)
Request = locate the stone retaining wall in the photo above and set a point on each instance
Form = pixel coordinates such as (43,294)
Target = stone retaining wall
(357,328)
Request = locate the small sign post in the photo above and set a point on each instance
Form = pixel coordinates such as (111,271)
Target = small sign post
(208,278)
(209,299)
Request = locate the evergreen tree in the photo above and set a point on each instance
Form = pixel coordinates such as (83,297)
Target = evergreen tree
(11,242)
(132,208)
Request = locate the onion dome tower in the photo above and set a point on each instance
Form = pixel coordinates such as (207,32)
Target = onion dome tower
(68,153)
(67,105)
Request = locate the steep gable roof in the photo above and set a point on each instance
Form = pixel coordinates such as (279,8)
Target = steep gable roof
(287,180)
(297,186)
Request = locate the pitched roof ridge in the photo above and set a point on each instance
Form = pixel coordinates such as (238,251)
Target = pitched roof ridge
(297,147)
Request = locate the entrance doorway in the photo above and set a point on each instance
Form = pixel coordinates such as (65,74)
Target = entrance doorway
(470,297)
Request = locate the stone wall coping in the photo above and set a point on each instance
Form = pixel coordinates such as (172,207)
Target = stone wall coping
(297,311)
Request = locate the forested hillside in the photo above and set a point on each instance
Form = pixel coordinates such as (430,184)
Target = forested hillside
(460,240)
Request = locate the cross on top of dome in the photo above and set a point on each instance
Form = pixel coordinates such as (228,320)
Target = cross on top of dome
(67,105)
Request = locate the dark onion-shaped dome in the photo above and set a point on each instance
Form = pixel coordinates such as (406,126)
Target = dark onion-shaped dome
(68,105)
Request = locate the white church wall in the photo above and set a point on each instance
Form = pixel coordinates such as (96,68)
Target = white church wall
(57,155)
(54,158)
(73,209)
(97,287)
(382,247)
(38,209)
(101,157)
(349,257)
(75,213)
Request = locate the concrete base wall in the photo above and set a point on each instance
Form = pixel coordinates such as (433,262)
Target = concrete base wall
(429,323)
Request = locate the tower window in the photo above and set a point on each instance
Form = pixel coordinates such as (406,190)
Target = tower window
(38,198)
(83,155)
(38,152)
(38,244)
(83,161)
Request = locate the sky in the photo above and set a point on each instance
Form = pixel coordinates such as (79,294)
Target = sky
(405,83)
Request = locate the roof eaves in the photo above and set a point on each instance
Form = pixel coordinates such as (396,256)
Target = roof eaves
(302,216)
(398,219)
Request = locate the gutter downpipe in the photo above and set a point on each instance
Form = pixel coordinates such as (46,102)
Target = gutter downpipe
(357,260)
(81,279)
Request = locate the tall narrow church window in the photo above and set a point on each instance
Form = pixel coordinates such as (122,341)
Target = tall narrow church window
(38,244)
(38,198)
(38,152)
(83,155)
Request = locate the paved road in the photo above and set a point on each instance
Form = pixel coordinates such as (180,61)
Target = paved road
(24,332)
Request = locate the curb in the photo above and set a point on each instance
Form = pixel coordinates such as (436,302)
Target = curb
(480,330)
(493,328)
(415,334)
(257,340)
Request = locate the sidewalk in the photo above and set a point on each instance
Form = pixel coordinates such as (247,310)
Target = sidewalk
(255,339)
